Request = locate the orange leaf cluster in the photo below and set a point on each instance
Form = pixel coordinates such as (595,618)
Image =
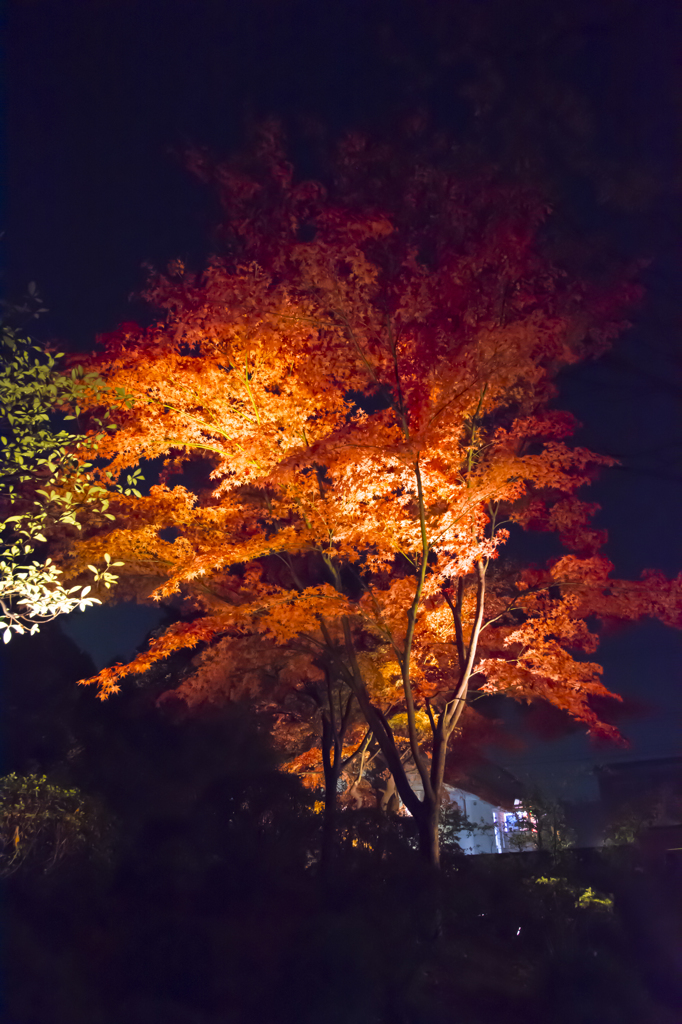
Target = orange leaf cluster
(350,410)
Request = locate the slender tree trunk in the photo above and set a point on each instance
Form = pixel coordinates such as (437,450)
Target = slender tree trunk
(328,828)
(429,841)
(427,810)
(388,795)
(331,773)
(332,748)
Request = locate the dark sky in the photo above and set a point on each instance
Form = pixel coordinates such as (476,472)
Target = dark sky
(100,93)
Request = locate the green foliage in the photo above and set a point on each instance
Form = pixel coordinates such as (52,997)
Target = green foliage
(626,826)
(44,482)
(540,824)
(214,909)
(42,824)
(561,891)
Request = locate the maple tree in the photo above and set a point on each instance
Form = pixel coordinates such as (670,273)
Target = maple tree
(352,409)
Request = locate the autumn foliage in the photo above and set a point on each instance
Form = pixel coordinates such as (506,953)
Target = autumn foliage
(353,409)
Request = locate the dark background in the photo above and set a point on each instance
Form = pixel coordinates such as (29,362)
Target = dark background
(583,99)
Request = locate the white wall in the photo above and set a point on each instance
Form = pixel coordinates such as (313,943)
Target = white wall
(479,812)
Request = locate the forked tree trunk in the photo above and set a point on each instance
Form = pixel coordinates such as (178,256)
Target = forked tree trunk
(426,811)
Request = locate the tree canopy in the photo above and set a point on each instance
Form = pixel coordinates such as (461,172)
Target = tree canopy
(353,408)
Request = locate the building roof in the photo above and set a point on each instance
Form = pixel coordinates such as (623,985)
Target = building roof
(488,781)
(655,763)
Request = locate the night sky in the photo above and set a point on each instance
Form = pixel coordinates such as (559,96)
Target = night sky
(102,95)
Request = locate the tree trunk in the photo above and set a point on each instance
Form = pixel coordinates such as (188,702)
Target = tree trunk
(331,777)
(426,811)
(431,928)
(328,828)
(388,797)
(332,748)
(429,840)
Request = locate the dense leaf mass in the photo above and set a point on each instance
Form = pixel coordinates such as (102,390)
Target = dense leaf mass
(353,407)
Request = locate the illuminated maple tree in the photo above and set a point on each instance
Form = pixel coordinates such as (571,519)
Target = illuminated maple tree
(353,408)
